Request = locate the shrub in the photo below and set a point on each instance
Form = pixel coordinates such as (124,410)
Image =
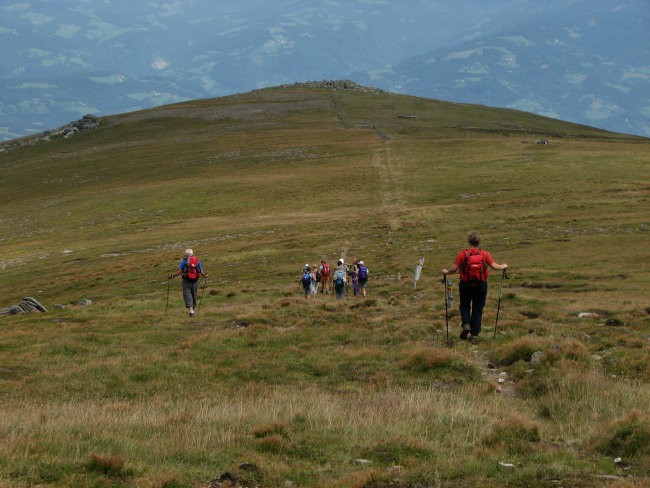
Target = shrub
(571,349)
(627,437)
(539,383)
(113,466)
(274,443)
(275,428)
(514,433)
(520,350)
(442,362)
(392,453)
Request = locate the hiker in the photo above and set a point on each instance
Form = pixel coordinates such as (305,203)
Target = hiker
(363,277)
(340,274)
(354,273)
(191,270)
(326,276)
(315,280)
(472,263)
(306,280)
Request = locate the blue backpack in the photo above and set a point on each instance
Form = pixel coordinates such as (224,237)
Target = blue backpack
(363,273)
(339,277)
(306,278)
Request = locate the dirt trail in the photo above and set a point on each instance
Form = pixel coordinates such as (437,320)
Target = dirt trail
(390,172)
(493,374)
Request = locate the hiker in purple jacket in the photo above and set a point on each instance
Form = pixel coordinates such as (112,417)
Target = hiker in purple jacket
(363,277)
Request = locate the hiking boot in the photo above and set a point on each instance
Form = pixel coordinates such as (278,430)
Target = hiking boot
(465,332)
(474,340)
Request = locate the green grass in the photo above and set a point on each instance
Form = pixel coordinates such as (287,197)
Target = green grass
(120,393)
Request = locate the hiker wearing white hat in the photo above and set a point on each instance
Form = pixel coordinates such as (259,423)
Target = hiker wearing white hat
(339,280)
(191,270)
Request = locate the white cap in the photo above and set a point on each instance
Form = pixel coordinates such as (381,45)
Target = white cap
(188,252)
(360,262)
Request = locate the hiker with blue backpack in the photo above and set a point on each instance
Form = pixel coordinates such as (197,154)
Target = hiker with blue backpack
(472,264)
(306,281)
(191,270)
(340,276)
(363,277)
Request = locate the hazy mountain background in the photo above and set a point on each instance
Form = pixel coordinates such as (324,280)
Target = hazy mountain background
(585,61)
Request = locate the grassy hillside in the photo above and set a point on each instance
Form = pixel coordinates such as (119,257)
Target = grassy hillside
(366,393)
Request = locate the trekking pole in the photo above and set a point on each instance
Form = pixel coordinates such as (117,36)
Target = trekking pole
(167,301)
(444,281)
(496,323)
(205,280)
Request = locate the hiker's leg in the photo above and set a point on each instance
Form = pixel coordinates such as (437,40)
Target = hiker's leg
(465,306)
(187,294)
(340,292)
(195,292)
(362,285)
(478,303)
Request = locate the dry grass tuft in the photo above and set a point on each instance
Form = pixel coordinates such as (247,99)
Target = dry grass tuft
(520,350)
(274,443)
(275,428)
(573,350)
(514,433)
(446,364)
(113,466)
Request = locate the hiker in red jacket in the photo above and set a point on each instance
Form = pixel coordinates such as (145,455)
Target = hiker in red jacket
(326,276)
(472,263)
(191,270)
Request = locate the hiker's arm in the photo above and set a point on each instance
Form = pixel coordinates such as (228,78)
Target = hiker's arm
(449,271)
(174,275)
(205,275)
(498,266)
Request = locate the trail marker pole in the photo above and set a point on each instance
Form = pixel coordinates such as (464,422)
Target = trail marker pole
(496,322)
(418,272)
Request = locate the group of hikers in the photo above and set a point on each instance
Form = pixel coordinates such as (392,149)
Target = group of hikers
(315,279)
(472,264)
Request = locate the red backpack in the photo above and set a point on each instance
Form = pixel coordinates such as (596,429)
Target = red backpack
(326,269)
(474,268)
(191,271)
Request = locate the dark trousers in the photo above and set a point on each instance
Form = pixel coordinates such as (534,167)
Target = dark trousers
(190,289)
(472,302)
(340,291)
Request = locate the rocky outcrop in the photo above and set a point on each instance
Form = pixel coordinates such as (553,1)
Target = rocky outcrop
(336,85)
(87,122)
(26,305)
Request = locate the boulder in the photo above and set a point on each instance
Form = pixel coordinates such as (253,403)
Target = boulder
(26,305)
(537,357)
(588,315)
